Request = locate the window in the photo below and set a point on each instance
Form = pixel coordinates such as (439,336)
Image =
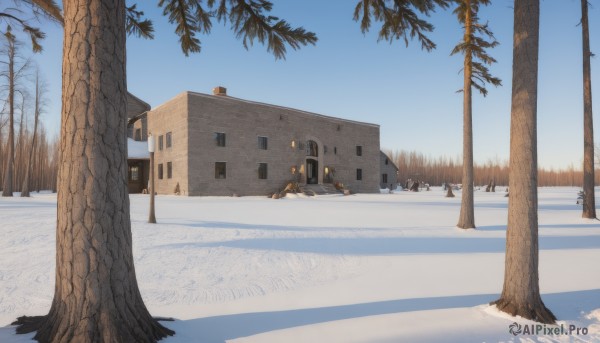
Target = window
(312,149)
(358,174)
(324,149)
(262,171)
(220,170)
(359,150)
(335,150)
(169,140)
(383,178)
(169,170)
(387,161)
(138,134)
(160,142)
(262,143)
(219,138)
(134,173)
(160,171)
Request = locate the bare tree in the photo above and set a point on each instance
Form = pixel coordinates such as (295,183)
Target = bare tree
(11,52)
(521,292)
(589,201)
(36,113)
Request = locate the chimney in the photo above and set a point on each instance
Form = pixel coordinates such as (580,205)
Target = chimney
(220,91)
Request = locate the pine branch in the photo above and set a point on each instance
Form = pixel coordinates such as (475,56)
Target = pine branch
(398,19)
(34,33)
(48,7)
(136,26)
(180,13)
(249,23)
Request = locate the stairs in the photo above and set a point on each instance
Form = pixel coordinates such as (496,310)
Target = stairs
(323,189)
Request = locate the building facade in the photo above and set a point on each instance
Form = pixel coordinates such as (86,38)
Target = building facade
(220,145)
(389,172)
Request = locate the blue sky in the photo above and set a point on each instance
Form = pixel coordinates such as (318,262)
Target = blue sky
(409,92)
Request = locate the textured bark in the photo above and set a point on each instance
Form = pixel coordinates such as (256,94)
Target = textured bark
(466,219)
(589,201)
(521,292)
(7,187)
(96,295)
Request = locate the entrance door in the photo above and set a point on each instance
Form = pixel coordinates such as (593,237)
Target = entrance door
(312,171)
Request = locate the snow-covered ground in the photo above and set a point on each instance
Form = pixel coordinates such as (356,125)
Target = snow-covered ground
(362,268)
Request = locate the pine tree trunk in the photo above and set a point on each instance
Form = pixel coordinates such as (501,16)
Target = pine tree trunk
(589,201)
(466,219)
(7,188)
(521,292)
(96,294)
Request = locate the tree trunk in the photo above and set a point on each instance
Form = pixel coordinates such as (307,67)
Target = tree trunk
(96,295)
(20,149)
(36,116)
(466,219)
(521,292)
(589,202)
(7,188)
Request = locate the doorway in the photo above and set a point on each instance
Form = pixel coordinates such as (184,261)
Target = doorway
(312,171)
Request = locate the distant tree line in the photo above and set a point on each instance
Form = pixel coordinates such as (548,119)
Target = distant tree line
(44,159)
(28,157)
(438,170)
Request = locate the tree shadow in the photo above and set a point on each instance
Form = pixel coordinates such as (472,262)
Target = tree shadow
(363,246)
(218,329)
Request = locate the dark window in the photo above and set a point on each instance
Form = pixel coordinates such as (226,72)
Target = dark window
(386,161)
(134,173)
(324,149)
(169,140)
(220,138)
(262,143)
(335,150)
(169,170)
(358,174)
(160,142)
(358,150)
(220,170)
(160,171)
(262,171)
(138,134)
(312,149)
(384,178)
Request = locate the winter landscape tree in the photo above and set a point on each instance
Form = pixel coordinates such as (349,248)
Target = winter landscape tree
(15,66)
(521,292)
(39,90)
(476,74)
(589,201)
(96,292)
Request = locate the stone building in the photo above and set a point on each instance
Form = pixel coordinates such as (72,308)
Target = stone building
(221,145)
(389,172)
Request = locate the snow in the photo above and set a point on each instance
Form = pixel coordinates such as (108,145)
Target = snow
(360,268)
(137,149)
